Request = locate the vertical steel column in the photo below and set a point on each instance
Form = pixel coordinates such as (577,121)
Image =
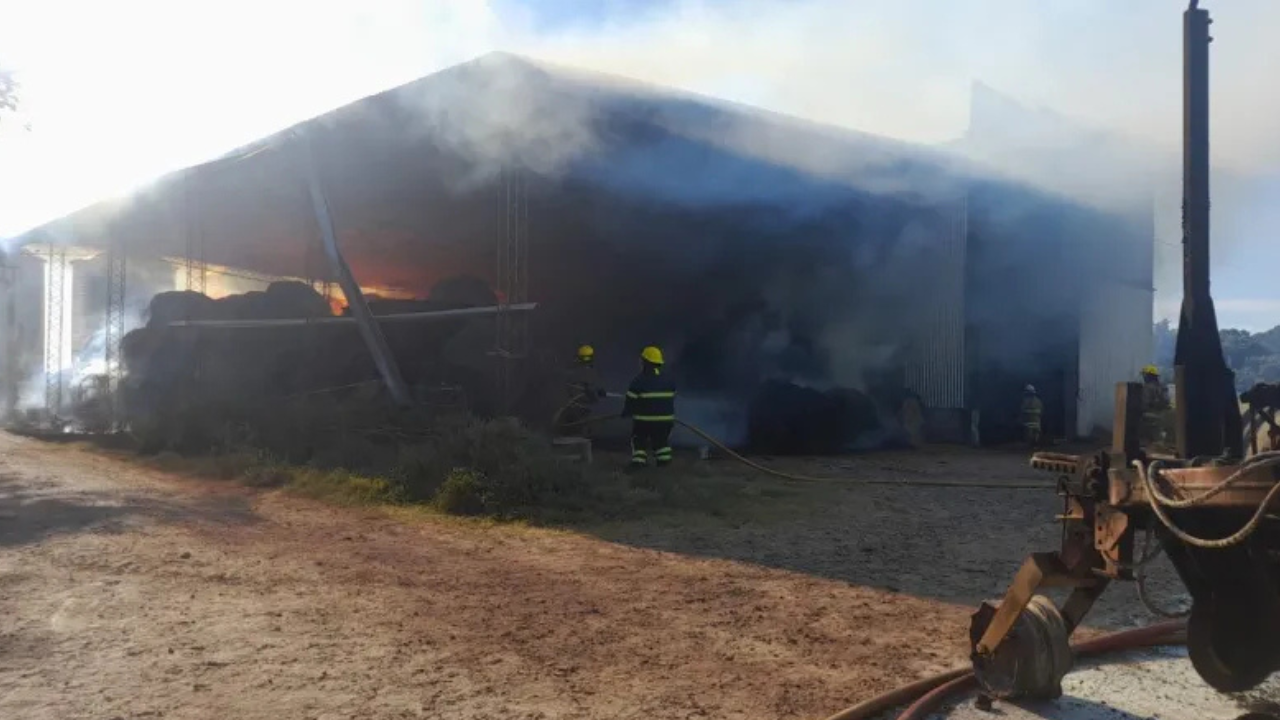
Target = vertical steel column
(54,287)
(501,338)
(1205,393)
(511,340)
(116,274)
(8,279)
(196,274)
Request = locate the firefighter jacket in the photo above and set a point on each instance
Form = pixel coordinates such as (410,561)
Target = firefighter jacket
(651,397)
(1155,398)
(584,385)
(1032,409)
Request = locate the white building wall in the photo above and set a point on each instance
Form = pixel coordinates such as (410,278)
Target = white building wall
(936,369)
(1115,342)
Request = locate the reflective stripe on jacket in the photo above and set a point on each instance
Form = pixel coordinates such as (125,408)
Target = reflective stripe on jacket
(651,398)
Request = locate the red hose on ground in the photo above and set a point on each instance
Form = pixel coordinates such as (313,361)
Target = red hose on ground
(929,692)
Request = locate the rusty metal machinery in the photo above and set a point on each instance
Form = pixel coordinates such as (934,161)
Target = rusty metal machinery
(1214,511)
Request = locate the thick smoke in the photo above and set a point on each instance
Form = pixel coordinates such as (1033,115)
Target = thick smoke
(499,111)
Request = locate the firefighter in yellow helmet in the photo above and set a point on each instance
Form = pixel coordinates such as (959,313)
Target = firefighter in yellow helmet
(1154,394)
(1157,421)
(584,391)
(651,405)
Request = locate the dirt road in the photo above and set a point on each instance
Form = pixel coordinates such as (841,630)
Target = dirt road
(128,594)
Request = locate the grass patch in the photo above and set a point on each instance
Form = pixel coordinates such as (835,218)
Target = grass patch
(259,470)
(223,466)
(342,487)
(455,465)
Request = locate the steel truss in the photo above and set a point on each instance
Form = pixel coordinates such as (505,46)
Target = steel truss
(512,342)
(197,268)
(54,289)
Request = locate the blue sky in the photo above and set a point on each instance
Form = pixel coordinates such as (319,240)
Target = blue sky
(549,15)
(119,92)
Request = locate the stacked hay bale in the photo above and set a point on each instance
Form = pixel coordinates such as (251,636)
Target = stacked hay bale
(186,387)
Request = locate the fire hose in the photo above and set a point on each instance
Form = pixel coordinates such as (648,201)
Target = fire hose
(1159,501)
(795,477)
(923,697)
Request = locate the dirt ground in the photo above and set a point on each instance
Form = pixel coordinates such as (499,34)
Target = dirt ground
(125,593)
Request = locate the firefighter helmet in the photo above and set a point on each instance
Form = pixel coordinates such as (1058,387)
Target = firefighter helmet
(586,353)
(651,355)
(1151,370)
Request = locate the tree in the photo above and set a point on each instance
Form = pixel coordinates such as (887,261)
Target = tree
(1165,340)
(1253,357)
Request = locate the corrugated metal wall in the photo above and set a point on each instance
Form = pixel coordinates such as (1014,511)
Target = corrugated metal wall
(935,369)
(1115,342)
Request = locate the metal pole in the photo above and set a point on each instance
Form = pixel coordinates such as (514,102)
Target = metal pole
(1205,393)
(369,329)
(55,282)
(1195,157)
(116,277)
(8,278)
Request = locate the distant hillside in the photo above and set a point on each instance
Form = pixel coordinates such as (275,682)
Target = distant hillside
(1254,356)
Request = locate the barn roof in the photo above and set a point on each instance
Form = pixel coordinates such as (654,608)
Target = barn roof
(502,110)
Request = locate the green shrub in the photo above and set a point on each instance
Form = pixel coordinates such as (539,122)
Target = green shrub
(342,486)
(491,467)
(461,493)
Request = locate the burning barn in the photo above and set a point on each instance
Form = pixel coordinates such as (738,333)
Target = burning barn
(798,276)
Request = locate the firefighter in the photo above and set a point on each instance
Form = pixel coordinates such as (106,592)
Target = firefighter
(1032,409)
(1155,406)
(584,391)
(1154,394)
(651,405)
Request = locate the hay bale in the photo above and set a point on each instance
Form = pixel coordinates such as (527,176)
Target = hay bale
(463,291)
(170,307)
(297,299)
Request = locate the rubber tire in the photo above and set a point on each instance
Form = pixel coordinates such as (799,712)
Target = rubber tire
(1032,660)
(1237,669)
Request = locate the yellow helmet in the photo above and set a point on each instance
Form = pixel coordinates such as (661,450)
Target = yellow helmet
(1151,370)
(651,355)
(586,353)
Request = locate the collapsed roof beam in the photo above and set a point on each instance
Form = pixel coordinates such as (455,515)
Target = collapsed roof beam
(369,329)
